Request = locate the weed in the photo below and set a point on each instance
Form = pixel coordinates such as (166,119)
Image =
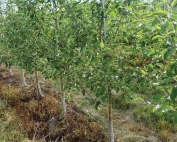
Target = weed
(163,124)
(165,135)
(123,103)
(10,128)
(11,96)
(156,120)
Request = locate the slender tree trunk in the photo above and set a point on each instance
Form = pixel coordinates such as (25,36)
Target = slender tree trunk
(61,80)
(62,96)
(110,121)
(23,77)
(38,88)
(110,115)
(10,71)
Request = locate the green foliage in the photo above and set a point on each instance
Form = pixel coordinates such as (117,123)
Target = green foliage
(140,47)
(124,103)
(156,119)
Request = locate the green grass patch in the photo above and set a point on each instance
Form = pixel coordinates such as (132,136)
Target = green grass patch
(156,120)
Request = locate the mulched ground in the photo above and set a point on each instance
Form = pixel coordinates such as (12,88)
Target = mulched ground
(42,119)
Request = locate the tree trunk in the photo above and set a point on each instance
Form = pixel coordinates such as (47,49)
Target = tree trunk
(38,88)
(10,71)
(62,96)
(23,77)
(110,121)
(61,81)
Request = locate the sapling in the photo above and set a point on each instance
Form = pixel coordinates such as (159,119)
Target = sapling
(38,88)
(110,118)
(23,77)
(61,80)
(62,96)
(110,115)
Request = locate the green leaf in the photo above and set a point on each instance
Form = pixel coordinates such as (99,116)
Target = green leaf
(128,2)
(90,57)
(107,49)
(112,14)
(174,16)
(154,109)
(157,98)
(164,83)
(154,22)
(157,37)
(138,100)
(83,92)
(173,69)
(101,44)
(174,3)
(81,104)
(98,94)
(175,117)
(126,39)
(91,102)
(159,13)
(173,95)
(68,98)
(151,66)
(143,72)
(83,50)
(168,53)
(165,26)
(104,98)
(160,65)
(101,74)
(151,52)
(97,104)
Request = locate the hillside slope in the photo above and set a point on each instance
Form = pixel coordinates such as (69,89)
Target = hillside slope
(23,117)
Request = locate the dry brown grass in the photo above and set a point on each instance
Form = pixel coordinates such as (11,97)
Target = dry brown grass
(165,135)
(43,119)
